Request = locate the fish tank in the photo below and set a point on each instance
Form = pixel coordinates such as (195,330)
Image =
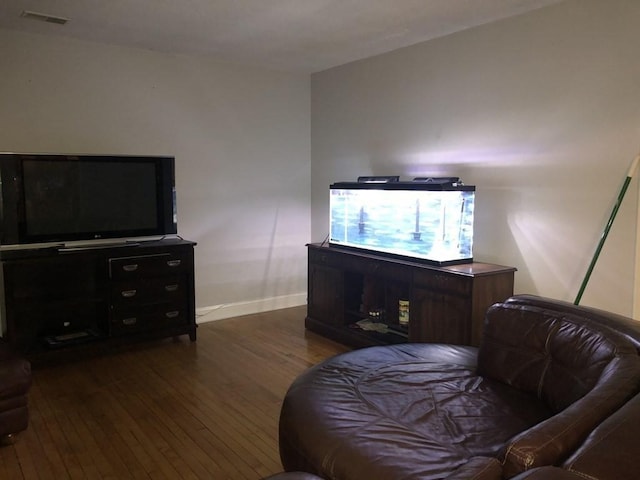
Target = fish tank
(431,223)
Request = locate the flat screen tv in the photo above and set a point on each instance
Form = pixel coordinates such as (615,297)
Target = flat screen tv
(64,198)
(426,222)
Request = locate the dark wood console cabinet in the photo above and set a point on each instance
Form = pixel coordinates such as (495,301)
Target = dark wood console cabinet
(446,304)
(58,299)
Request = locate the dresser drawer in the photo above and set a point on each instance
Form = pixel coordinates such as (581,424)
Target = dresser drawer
(147,265)
(148,318)
(149,290)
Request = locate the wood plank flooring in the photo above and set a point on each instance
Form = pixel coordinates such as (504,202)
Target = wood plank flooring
(171,409)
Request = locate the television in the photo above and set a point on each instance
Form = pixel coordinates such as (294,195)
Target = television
(72,198)
(418,220)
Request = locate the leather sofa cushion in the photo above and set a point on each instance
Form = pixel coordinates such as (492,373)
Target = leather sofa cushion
(478,468)
(404,411)
(15,381)
(293,476)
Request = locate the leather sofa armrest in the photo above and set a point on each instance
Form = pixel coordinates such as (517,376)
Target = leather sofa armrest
(15,372)
(611,450)
(553,440)
(549,473)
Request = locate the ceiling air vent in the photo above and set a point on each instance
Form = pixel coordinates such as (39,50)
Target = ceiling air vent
(44,17)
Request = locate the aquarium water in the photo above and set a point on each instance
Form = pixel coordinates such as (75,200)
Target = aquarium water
(431,225)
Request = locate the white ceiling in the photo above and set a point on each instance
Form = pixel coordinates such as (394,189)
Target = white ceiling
(303,36)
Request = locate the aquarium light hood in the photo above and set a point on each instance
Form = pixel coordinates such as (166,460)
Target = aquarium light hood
(439,180)
(405,185)
(378,179)
(451,181)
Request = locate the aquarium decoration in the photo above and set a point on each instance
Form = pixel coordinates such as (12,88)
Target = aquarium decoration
(430,221)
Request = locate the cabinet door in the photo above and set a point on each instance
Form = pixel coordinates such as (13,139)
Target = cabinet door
(325,295)
(439,317)
(51,296)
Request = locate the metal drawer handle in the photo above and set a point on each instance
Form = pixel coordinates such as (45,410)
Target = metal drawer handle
(174,263)
(129,321)
(172,314)
(132,267)
(128,293)
(171,288)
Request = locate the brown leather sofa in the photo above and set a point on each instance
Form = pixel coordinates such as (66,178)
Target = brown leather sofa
(549,382)
(15,381)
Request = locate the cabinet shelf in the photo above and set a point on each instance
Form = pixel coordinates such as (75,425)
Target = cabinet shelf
(71,338)
(446,303)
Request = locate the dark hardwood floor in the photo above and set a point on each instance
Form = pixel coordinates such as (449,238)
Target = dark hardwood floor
(171,409)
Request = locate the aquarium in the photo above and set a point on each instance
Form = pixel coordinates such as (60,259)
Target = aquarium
(416,220)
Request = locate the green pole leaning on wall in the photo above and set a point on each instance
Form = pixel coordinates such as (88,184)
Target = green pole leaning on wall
(605,233)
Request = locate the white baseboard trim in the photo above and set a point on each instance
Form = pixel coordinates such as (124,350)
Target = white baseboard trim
(228,310)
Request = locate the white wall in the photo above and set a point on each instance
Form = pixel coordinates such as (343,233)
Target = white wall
(240,137)
(541,112)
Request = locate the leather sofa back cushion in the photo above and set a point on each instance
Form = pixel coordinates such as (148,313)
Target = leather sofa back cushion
(556,356)
(625,326)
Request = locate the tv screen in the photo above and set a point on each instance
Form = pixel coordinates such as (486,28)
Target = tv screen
(57,198)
